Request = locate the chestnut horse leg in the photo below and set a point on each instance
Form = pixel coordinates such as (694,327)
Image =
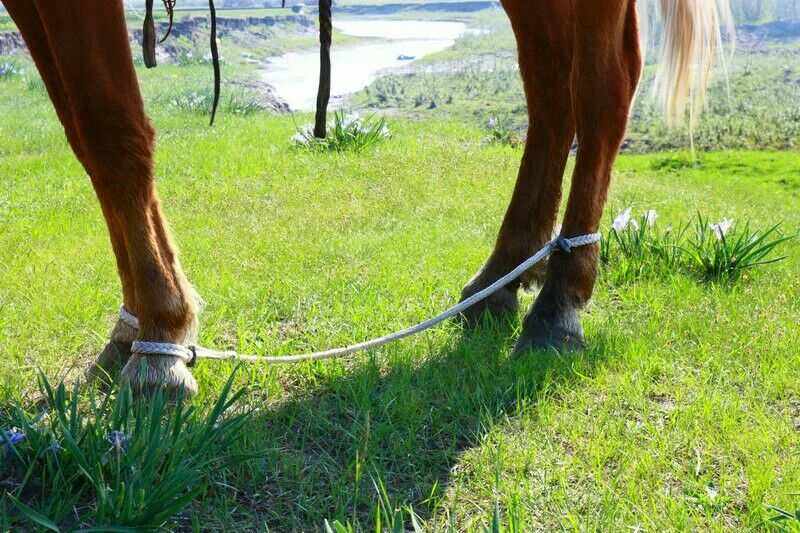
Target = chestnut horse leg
(544,36)
(81,49)
(26,17)
(605,76)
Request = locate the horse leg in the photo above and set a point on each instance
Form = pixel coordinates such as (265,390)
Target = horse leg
(26,17)
(89,50)
(605,75)
(545,59)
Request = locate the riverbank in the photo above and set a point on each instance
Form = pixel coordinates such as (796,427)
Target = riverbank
(378,47)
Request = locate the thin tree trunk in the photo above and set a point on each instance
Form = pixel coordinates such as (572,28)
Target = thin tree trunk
(324,94)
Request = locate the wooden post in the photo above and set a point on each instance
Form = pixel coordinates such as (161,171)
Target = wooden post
(324,93)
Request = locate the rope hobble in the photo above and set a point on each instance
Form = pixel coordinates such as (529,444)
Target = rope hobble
(191,353)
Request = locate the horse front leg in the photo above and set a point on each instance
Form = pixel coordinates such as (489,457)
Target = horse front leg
(81,48)
(544,39)
(607,69)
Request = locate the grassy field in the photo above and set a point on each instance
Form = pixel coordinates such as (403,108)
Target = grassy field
(683,413)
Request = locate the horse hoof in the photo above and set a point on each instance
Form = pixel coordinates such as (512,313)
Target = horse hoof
(170,375)
(109,363)
(114,356)
(560,331)
(502,302)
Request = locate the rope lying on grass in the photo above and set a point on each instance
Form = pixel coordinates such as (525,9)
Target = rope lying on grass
(190,354)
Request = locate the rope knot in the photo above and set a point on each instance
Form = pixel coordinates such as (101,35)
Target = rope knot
(564,245)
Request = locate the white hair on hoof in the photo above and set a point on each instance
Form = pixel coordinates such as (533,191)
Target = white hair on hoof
(148,374)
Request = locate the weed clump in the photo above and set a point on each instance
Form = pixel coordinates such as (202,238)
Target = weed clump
(716,252)
(125,463)
(349,133)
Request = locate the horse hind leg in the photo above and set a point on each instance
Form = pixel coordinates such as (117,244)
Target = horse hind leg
(607,69)
(544,41)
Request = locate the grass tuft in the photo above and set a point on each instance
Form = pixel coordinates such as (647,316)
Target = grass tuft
(350,133)
(125,463)
(718,252)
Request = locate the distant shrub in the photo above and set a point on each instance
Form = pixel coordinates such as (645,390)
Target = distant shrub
(348,133)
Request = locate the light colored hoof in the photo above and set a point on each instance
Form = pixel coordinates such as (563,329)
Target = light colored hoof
(149,374)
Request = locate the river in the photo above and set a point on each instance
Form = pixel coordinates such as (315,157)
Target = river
(295,75)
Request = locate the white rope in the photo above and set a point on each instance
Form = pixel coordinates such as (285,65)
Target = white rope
(196,352)
(128,318)
(163,349)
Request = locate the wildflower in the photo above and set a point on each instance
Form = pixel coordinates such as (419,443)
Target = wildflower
(118,441)
(634,225)
(351,120)
(55,448)
(13,437)
(721,228)
(492,123)
(622,220)
(650,217)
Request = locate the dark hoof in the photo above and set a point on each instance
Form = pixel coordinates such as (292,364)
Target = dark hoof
(560,331)
(114,356)
(500,303)
(109,363)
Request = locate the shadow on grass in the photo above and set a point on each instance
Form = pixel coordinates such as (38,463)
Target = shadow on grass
(404,427)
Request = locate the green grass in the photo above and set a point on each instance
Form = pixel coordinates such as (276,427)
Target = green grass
(683,413)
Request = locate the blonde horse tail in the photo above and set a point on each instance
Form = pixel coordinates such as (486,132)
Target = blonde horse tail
(691,47)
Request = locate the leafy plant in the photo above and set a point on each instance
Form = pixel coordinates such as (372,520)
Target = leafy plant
(348,133)
(234,103)
(636,247)
(782,515)
(723,253)
(502,131)
(126,463)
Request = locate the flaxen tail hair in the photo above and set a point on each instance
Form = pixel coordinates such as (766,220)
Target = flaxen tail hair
(691,46)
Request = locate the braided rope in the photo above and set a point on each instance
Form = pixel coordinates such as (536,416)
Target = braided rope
(128,318)
(163,349)
(192,353)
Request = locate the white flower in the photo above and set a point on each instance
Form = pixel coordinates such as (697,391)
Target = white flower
(634,225)
(622,220)
(350,120)
(722,228)
(650,217)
